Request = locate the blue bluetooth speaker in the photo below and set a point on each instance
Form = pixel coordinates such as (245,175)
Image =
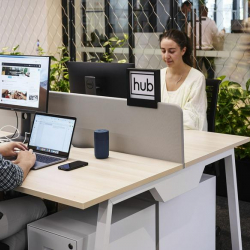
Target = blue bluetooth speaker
(101,142)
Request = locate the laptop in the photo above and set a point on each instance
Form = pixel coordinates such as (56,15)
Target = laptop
(50,138)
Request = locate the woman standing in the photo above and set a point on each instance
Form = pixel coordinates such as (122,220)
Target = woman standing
(181,84)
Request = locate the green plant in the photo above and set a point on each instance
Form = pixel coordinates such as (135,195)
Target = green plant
(112,44)
(233,113)
(40,51)
(59,76)
(12,52)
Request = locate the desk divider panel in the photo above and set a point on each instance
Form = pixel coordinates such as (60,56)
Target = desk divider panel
(154,133)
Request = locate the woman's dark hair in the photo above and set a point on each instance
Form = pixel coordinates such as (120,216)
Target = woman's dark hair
(182,40)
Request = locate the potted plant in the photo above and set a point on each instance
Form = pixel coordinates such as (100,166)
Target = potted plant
(59,76)
(233,117)
(113,43)
(12,52)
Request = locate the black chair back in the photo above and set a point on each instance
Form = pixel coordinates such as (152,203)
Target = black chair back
(212,89)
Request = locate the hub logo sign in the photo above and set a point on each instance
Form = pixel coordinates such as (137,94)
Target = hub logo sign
(142,85)
(144,88)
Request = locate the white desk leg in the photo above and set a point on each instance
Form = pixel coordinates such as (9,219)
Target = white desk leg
(233,204)
(103,225)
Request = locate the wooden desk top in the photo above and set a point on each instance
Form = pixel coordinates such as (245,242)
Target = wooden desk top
(104,179)
(99,181)
(200,145)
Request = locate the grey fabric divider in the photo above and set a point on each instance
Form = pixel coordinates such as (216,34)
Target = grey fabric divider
(154,133)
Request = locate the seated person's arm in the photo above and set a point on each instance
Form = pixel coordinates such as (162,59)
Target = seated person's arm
(194,111)
(12,174)
(216,32)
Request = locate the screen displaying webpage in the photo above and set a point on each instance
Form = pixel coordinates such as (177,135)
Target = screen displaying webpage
(52,134)
(21,79)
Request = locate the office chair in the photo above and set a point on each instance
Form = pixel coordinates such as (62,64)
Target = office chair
(212,89)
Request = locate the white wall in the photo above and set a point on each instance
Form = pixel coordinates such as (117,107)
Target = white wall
(23,22)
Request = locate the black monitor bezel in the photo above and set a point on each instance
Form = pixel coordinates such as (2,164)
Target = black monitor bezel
(25,109)
(78,86)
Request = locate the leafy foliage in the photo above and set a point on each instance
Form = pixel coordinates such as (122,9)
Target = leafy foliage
(59,76)
(233,113)
(12,52)
(112,44)
(40,51)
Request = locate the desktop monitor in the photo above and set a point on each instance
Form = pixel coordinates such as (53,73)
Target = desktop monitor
(110,79)
(24,84)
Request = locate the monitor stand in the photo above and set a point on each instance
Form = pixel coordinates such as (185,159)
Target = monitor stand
(90,85)
(25,127)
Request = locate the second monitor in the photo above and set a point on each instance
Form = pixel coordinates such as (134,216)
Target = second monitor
(110,78)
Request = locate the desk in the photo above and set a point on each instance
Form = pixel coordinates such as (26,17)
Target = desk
(122,176)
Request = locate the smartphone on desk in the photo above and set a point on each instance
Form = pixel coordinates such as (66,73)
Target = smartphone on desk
(73,165)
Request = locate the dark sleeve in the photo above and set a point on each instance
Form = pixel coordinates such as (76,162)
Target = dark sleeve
(11,175)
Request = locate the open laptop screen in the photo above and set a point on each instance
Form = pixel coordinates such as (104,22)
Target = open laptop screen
(52,134)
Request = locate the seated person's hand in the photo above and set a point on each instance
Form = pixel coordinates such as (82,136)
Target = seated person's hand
(25,159)
(9,148)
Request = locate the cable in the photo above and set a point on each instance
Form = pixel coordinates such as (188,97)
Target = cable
(7,138)
(26,133)
(16,126)
(12,137)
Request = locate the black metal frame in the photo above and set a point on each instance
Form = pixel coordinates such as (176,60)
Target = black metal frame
(84,55)
(152,17)
(107,27)
(65,25)
(131,39)
(68,22)
(72,31)
(173,9)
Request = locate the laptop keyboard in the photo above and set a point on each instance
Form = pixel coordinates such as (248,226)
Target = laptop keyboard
(46,158)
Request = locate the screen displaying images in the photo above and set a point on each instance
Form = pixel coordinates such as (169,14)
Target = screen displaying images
(24,82)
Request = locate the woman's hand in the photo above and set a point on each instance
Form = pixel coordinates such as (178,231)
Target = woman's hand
(10,148)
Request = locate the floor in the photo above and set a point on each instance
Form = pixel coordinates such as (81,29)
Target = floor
(222,220)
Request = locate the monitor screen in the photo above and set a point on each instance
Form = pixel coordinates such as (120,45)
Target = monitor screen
(24,82)
(110,78)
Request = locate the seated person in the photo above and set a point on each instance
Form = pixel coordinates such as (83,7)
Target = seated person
(181,84)
(16,213)
(210,37)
